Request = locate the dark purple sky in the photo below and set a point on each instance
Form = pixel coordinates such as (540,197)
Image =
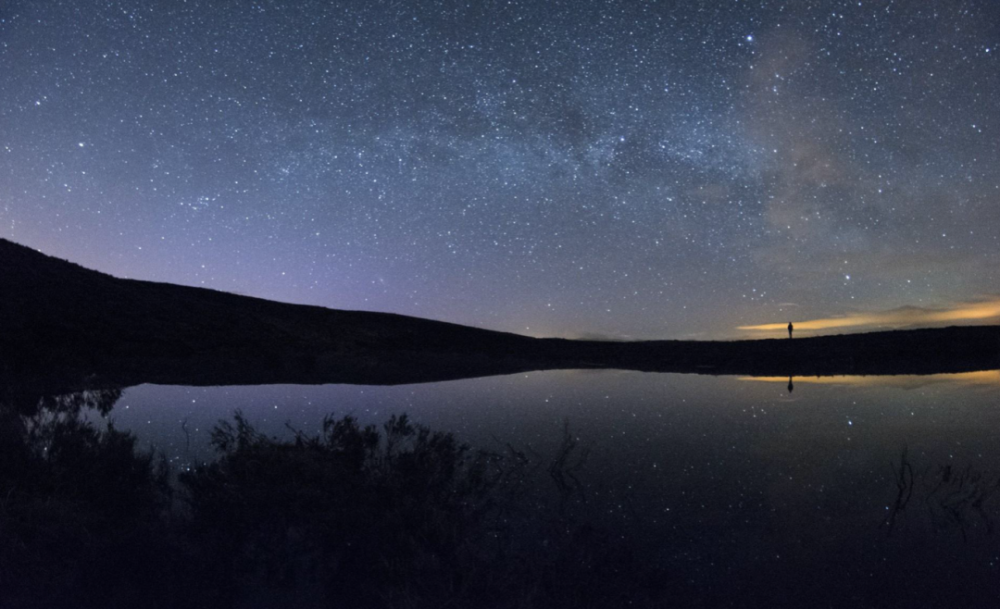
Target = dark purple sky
(644,169)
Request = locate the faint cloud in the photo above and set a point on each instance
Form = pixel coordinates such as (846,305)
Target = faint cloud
(600,337)
(982,311)
(988,378)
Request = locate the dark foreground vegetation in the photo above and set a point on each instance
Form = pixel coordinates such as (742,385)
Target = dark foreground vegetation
(97,330)
(354,517)
(400,516)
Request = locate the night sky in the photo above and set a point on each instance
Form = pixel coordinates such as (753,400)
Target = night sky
(573,168)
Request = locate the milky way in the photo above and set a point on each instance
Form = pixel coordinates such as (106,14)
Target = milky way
(627,169)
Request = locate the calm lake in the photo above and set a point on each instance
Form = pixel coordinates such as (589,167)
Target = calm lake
(880,491)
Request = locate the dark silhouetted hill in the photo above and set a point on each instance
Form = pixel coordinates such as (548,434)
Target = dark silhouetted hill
(57,314)
(63,324)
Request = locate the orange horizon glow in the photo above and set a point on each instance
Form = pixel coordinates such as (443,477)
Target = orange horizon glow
(981,378)
(958,312)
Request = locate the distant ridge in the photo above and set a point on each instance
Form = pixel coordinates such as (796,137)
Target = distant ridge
(58,314)
(65,325)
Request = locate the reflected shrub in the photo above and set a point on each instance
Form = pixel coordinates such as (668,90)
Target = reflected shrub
(355,516)
(955,499)
(80,510)
(362,514)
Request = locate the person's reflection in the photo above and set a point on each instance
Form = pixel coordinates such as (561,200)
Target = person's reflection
(791,385)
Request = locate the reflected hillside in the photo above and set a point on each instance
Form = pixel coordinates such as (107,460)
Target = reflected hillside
(954,355)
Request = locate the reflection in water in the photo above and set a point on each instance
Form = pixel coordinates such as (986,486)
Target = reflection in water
(962,499)
(358,516)
(986,378)
(80,507)
(903,475)
(687,491)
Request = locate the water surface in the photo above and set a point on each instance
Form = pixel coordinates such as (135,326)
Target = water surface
(876,491)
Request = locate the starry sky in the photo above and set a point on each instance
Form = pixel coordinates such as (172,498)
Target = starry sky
(567,168)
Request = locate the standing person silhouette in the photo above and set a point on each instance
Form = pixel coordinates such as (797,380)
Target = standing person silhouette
(790,328)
